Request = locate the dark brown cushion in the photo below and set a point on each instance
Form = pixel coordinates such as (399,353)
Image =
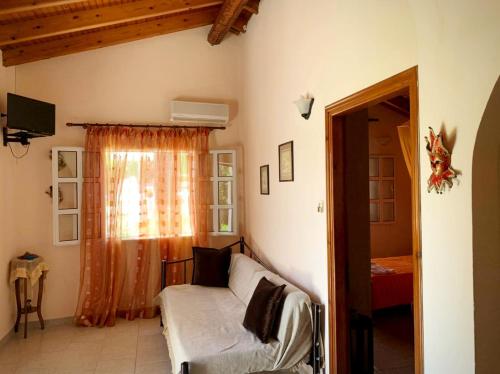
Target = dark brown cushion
(262,309)
(211,266)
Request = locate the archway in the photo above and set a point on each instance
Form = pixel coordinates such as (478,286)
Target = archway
(486,236)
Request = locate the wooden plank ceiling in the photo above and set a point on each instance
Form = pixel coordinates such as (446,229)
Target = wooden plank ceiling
(32,30)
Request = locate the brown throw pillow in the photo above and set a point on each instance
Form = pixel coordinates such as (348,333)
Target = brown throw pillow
(262,309)
(211,266)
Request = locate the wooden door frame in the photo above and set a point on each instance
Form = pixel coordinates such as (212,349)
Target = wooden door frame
(404,82)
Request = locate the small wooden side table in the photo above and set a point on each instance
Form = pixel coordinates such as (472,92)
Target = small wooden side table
(28,270)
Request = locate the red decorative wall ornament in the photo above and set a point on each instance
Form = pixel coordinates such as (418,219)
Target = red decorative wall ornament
(440,158)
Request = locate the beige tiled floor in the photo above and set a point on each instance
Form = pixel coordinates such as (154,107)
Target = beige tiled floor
(127,348)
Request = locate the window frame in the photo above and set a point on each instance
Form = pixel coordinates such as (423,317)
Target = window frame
(379,179)
(56,212)
(215,179)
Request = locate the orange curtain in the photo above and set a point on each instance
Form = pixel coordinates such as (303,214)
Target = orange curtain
(144,199)
(405,141)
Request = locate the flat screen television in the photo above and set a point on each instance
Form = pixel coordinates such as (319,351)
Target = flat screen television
(36,117)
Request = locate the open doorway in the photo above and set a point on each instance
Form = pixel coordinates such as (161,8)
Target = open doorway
(374,229)
(391,262)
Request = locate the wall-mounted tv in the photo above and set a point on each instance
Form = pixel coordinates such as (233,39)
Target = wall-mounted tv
(36,117)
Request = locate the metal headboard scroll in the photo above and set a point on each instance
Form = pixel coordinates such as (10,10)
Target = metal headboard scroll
(242,246)
(253,256)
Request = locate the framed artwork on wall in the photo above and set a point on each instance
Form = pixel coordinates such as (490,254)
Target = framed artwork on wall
(264,180)
(285,152)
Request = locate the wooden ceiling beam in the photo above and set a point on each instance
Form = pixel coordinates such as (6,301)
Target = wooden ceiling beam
(252,6)
(228,14)
(88,19)
(399,104)
(240,25)
(16,6)
(23,53)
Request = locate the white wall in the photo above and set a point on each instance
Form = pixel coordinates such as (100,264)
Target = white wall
(333,49)
(330,49)
(132,82)
(7,208)
(459,62)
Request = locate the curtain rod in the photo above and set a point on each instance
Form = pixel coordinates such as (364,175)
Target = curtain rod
(85,125)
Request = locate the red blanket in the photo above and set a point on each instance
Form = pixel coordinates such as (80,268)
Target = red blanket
(395,288)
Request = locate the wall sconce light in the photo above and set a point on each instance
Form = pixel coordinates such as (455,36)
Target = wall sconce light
(304,105)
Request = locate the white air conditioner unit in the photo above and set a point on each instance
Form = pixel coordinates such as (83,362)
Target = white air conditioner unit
(188,111)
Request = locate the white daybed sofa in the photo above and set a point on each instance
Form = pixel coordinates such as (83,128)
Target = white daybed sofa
(204,331)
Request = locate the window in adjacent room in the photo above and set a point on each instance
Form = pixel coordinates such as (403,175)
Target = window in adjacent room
(223,207)
(382,186)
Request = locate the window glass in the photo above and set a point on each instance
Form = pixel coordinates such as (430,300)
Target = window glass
(67,164)
(382,189)
(373,167)
(66,191)
(68,227)
(374,212)
(225,192)
(225,164)
(387,189)
(68,195)
(374,190)
(142,199)
(225,220)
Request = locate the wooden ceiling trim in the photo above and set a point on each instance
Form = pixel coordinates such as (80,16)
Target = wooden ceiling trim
(16,6)
(88,19)
(228,14)
(63,8)
(78,42)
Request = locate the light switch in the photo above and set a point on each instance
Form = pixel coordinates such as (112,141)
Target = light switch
(321,206)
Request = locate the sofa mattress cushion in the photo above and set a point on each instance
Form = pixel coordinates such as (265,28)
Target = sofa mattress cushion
(204,327)
(294,326)
(241,273)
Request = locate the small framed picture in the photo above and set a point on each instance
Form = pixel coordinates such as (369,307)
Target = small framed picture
(285,151)
(264,180)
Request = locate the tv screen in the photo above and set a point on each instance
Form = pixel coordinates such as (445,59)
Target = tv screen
(34,116)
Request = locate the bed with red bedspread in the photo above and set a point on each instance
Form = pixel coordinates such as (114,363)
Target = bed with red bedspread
(394,286)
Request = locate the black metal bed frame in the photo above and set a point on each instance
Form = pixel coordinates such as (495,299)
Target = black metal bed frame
(316,350)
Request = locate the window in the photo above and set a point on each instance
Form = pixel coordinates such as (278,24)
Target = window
(67,180)
(382,186)
(140,200)
(224,196)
